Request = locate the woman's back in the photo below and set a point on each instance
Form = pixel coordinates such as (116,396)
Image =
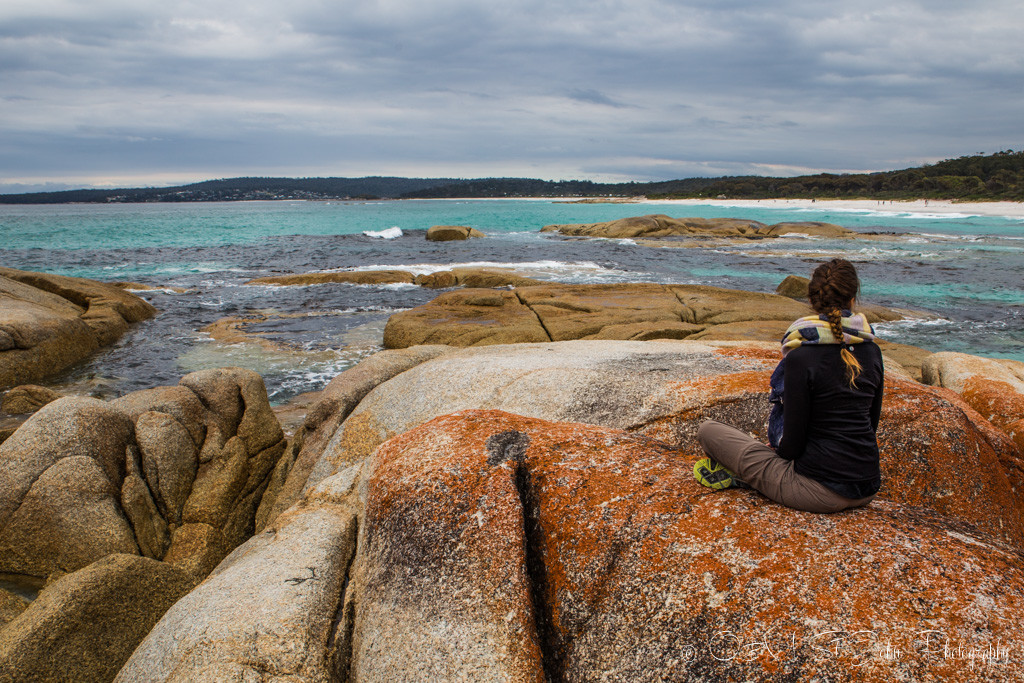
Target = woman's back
(829,425)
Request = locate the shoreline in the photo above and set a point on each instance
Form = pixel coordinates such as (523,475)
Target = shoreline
(943,207)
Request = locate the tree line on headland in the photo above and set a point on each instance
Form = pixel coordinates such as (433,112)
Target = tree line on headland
(979,177)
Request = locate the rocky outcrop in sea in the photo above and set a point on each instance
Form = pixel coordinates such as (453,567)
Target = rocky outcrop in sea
(48,322)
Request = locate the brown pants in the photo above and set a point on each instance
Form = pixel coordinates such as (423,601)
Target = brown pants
(759,466)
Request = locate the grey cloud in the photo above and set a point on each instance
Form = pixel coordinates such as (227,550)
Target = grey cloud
(649,87)
(592,96)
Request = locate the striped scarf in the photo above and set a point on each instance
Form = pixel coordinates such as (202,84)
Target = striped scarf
(815,329)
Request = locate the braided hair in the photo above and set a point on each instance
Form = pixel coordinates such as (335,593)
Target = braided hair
(833,285)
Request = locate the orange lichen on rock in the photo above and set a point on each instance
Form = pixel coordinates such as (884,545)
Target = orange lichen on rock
(578,552)
(939,453)
(1000,403)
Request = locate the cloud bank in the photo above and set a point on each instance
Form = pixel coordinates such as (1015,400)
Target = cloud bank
(115,92)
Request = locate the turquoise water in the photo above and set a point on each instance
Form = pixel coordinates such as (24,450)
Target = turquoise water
(86,226)
(964,271)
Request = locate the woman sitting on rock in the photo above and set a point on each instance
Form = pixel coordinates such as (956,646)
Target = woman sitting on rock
(830,385)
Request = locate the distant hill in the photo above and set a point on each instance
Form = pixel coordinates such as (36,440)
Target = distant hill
(241,189)
(998,176)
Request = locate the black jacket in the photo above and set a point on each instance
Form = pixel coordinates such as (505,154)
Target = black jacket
(829,428)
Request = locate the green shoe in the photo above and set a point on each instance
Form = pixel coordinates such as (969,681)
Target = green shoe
(711,474)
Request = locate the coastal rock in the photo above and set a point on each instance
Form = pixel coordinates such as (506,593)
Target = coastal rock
(442,279)
(11,605)
(498,545)
(60,481)
(621,384)
(48,322)
(660,225)
(466,317)
(568,552)
(491,277)
(271,606)
(448,233)
(992,386)
(27,398)
(82,478)
(637,311)
(337,401)
(84,626)
(664,389)
(353,277)
(559,312)
(794,286)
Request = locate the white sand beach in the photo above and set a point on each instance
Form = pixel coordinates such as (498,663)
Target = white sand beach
(918,206)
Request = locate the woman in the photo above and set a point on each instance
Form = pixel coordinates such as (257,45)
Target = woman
(831,399)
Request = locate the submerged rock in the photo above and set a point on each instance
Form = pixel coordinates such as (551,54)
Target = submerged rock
(355,277)
(48,322)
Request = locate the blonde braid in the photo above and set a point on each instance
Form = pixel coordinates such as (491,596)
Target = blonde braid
(853,367)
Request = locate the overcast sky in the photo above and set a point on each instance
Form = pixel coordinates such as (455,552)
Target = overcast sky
(135,92)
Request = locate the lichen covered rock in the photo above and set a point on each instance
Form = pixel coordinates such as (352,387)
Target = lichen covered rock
(992,386)
(511,548)
(663,390)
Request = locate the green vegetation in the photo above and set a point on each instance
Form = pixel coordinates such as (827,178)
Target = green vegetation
(998,176)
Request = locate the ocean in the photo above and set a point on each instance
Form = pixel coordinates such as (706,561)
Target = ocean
(963,271)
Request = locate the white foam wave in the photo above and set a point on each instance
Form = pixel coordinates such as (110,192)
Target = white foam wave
(946,236)
(391,233)
(539,269)
(155,290)
(887,213)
